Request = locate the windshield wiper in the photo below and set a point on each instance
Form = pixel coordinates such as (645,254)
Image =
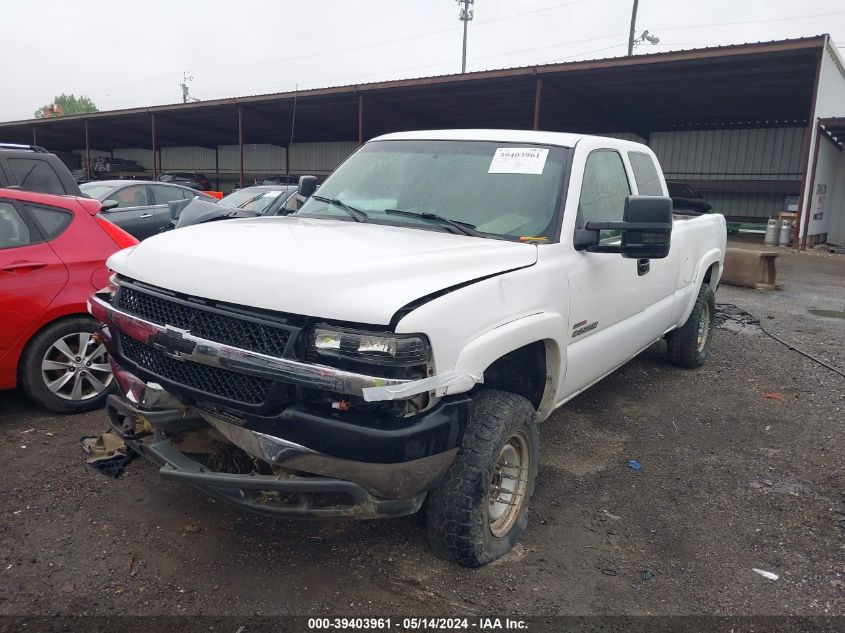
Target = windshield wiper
(357,214)
(465,228)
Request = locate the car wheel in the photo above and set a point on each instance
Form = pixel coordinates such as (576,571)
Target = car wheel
(480,510)
(65,369)
(690,344)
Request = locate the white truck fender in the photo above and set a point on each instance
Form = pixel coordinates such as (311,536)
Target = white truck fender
(483,351)
(713,256)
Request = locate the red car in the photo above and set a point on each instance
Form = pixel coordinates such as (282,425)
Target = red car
(53,251)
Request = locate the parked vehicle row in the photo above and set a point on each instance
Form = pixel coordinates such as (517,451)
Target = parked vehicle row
(138,207)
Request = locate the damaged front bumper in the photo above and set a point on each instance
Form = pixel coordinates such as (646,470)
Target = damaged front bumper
(310,483)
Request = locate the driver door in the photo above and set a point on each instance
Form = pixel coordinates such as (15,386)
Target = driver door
(610,296)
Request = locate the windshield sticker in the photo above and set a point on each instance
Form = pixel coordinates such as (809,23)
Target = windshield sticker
(272,194)
(518,160)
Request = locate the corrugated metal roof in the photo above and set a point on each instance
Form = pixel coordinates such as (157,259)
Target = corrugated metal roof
(763,84)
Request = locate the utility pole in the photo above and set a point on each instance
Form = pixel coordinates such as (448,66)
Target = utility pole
(465,15)
(633,28)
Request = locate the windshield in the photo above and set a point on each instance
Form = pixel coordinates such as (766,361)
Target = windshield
(96,191)
(257,200)
(500,189)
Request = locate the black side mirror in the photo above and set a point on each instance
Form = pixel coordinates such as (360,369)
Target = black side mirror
(307,186)
(646,229)
(108,205)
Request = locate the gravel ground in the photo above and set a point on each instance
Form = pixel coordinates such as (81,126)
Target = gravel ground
(731,481)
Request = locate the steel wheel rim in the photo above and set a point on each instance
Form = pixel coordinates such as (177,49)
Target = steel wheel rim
(703,327)
(76,367)
(508,484)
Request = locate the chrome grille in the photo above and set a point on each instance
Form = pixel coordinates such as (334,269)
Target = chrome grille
(214,326)
(212,380)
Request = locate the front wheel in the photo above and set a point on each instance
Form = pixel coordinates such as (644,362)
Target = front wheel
(64,368)
(690,344)
(480,510)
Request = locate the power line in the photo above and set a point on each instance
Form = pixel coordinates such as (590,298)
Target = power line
(453,30)
(794,17)
(347,49)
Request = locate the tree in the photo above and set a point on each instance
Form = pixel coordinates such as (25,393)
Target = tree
(65,105)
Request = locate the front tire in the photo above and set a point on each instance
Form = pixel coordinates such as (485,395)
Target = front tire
(64,369)
(689,345)
(480,510)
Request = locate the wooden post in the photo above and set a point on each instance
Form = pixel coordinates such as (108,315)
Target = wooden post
(241,143)
(538,96)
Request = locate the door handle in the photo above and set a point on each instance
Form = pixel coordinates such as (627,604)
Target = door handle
(22,267)
(146,215)
(643,266)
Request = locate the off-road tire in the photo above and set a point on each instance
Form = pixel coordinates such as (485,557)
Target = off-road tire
(29,367)
(685,346)
(459,527)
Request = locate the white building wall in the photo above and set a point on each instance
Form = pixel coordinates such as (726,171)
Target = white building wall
(258,159)
(144,157)
(740,154)
(830,102)
(188,159)
(835,204)
(319,158)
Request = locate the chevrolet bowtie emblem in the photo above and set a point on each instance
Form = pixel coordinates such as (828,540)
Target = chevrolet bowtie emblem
(173,343)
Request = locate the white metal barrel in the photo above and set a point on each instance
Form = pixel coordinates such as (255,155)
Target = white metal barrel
(785,233)
(772,228)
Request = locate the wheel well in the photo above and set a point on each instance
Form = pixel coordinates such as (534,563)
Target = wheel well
(709,273)
(522,371)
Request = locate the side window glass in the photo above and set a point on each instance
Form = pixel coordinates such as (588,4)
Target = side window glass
(51,222)
(645,173)
(133,196)
(163,194)
(35,175)
(292,203)
(13,230)
(604,190)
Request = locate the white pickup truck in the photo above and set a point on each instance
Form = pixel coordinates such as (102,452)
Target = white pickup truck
(398,339)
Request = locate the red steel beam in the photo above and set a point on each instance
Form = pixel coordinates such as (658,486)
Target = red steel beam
(241,143)
(87,154)
(538,97)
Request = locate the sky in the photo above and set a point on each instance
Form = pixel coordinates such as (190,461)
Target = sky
(126,55)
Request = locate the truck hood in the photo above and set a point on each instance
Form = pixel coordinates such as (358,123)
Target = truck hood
(332,269)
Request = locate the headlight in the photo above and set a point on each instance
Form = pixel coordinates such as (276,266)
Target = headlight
(377,348)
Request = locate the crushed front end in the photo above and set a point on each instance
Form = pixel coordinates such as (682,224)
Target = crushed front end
(277,413)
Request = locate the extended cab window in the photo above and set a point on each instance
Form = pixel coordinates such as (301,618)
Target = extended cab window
(603,190)
(35,175)
(645,173)
(13,230)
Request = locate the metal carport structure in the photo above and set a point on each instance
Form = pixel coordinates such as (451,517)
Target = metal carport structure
(766,97)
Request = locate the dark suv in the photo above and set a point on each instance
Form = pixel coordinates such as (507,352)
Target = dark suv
(192,179)
(33,168)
